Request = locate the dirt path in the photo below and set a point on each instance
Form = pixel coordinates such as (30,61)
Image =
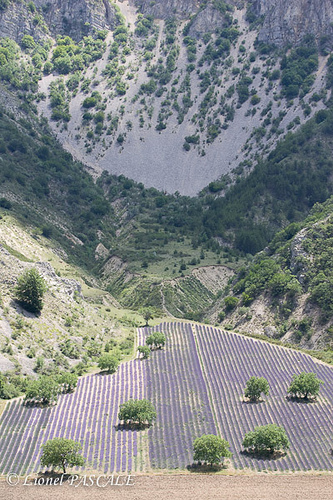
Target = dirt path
(187,487)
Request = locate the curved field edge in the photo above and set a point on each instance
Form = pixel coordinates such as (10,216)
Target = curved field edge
(196,384)
(227,361)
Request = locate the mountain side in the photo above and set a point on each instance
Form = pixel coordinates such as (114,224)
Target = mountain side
(41,19)
(286,293)
(77,323)
(288,22)
(189,80)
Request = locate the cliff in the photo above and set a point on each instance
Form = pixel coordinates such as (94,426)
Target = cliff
(75,18)
(290,21)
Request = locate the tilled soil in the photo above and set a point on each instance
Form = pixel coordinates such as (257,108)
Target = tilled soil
(184,487)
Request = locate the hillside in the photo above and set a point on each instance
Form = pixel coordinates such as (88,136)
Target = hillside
(286,292)
(189,64)
(78,322)
(189,77)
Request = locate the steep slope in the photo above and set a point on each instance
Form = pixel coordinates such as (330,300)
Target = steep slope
(286,293)
(41,18)
(186,86)
(78,321)
(289,21)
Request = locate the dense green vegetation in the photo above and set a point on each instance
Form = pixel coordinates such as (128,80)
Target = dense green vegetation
(36,169)
(30,290)
(266,440)
(61,453)
(296,175)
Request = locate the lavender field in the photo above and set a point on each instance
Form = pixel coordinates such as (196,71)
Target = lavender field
(228,360)
(89,416)
(196,384)
(176,386)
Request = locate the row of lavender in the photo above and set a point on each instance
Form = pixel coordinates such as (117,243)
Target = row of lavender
(89,416)
(176,387)
(229,361)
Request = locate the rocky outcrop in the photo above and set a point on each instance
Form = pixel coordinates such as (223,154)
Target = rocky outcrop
(17,20)
(75,18)
(289,21)
(207,20)
(164,9)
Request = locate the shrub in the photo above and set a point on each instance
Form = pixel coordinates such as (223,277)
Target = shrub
(256,386)
(30,290)
(230,303)
(108,362)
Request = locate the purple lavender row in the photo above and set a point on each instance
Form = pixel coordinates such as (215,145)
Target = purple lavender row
(177,389)
(235,359)
(89,416)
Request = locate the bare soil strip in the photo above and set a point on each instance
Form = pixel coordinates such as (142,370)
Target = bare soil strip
(187,487)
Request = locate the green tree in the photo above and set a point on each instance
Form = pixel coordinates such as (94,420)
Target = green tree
(144,350)
(305,385)
(211,449)
(256,386)
(61,453)
(108,362)
(266,439)
(137,411)
(67,381)
(30,290)
(156,339)
(44,390)
(230,303)
(147,315)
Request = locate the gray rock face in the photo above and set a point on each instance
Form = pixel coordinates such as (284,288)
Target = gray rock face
(75,18)
(164,9)
(206,21)
(288,21)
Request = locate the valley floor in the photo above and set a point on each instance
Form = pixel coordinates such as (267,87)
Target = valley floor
(186,487)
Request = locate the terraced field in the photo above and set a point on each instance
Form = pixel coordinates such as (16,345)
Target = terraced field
(196,384)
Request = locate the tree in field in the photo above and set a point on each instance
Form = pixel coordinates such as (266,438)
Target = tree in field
(147,315)
(156,340)
(305,385)
(108,362)
(144,350)
(211,449)
(137,411)
(266,439)
(67,381)
(44,390)
(61,453)
(256,386)
(30,290)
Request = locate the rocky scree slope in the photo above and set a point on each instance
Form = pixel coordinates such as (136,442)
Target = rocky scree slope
(193,80)
(203,89)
